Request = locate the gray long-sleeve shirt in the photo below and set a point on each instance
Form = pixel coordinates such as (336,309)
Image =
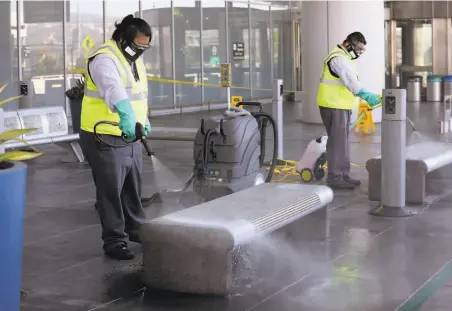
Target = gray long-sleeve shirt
(107,79)
(342,67)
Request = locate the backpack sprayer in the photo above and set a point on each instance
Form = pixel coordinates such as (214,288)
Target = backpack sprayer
(312,162)
(139,136)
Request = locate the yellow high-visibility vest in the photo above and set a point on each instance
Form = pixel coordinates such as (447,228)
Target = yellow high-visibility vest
(94,108)
(332,92)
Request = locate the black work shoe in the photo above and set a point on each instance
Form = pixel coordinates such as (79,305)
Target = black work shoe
(120,252)
(145,202)
(340,184)
(352,181)
(135,238)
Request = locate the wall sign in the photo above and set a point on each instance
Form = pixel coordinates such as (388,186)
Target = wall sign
(238,50)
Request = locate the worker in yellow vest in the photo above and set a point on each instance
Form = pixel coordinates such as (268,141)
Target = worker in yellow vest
(116,90)
(339,86)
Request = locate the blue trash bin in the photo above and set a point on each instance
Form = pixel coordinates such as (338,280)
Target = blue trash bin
(13,183)
(447,85)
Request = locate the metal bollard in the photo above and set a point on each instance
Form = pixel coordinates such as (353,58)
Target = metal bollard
(277,107)
(393,156)
(445,123)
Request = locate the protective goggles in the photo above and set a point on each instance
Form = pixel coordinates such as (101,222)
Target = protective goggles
(357,49)
(139,46)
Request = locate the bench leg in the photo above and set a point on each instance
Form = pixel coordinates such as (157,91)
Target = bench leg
(78,151)
(73,148)
(415,183)
(374,182)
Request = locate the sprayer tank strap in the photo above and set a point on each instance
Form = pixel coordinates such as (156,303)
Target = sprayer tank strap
(132,96)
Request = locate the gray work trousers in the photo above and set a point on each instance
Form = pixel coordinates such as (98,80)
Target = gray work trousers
(117,176)
(336,122)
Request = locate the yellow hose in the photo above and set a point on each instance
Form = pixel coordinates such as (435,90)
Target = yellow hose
(288,169)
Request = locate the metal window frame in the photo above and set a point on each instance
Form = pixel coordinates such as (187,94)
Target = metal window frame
(173,56)
(104,20)
(270,40)
(201,54)
(19,23)
(250,54)
(226,12)
(65,71)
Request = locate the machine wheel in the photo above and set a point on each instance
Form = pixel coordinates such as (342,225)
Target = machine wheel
(306,175)
(319,172)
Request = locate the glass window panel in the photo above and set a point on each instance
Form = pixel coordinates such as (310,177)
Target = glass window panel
(158,59)
(239,35)
(214,48)
(187,40)
(116,10)
(42,52)
(260,51)
(84,34)
(281,46)
(414,41)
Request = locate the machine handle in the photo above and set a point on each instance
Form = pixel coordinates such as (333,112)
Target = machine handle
(253,104)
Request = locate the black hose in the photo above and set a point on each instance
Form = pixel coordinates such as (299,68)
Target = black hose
(263,131)
(205,147)
(99,138)
(276,139)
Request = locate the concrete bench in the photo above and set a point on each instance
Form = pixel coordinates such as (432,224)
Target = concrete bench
(422,159)
(199,249)
(50,122)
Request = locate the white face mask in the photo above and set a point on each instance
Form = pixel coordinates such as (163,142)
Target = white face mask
(356,50)
(353,54)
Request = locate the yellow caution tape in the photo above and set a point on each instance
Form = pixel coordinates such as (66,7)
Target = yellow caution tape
(162,80)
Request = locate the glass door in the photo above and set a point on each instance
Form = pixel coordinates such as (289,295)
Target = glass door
(414,54)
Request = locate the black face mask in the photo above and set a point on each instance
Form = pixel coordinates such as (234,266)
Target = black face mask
(354,50)
(131,50)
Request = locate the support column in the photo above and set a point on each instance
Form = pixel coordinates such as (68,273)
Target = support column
(6,54)
(325,24)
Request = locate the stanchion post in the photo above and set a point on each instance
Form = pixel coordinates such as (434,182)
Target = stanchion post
(393,156)
(2,124)
(277,107)
(225,80)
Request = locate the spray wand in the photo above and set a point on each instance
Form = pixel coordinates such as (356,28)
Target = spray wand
(362,115)
(139,136)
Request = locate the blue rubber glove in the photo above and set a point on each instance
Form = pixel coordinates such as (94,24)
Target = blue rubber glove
(127,118)
(147,129)
(371,98)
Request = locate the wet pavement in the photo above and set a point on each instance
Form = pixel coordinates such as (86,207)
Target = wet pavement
(369,263)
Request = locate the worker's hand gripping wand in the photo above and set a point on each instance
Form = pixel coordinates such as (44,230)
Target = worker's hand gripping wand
(139,136)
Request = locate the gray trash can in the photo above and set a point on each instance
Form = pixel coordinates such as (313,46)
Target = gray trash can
(447,86)
(434,86)
(414,88)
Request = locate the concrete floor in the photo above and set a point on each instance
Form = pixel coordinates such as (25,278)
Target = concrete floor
(371,264)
